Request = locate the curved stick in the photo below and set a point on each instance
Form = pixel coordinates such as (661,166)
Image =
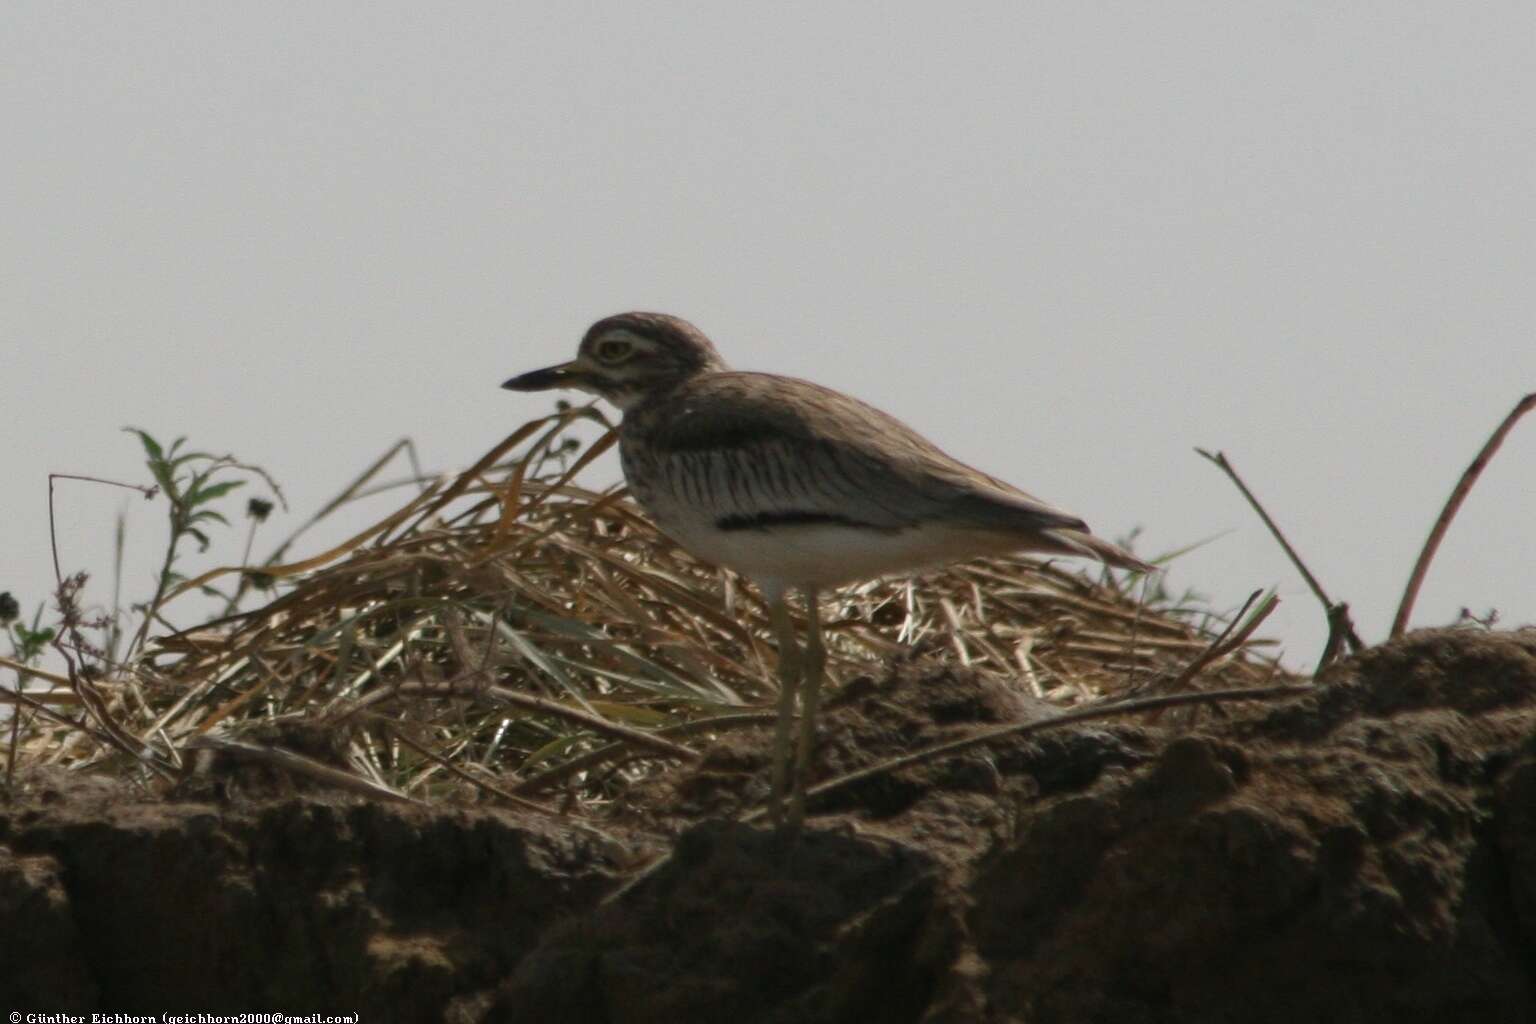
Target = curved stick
(1452,506)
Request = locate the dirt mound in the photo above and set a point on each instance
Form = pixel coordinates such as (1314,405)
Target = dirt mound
(129,906)
(1364,853)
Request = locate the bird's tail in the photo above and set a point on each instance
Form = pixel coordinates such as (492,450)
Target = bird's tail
(1077,542)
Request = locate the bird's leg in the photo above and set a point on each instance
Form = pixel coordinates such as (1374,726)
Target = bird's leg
(789,682)
(812,668)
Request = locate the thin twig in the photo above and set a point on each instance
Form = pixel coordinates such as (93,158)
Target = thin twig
(53,536)
(482,784)
(1219,646)
(298,764)
(637,737)
(10,754)
(66,595)
(1112,710)
(581,762)
(1452,506)
(1230,639)
(41,707)
(454,626)
(1130,639)
(517,801)
(1338,621)
(346,494)
(1220,460)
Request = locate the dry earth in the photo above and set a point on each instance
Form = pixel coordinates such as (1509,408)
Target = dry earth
(1364,853)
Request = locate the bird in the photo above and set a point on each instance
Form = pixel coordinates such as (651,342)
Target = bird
(796,487)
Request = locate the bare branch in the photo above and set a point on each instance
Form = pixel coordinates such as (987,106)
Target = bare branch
(1111,710)
(1452,506)
(1329,606)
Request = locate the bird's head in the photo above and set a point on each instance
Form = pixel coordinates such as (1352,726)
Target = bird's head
(628,357)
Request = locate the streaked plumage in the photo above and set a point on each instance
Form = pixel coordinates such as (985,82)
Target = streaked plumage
(793,484)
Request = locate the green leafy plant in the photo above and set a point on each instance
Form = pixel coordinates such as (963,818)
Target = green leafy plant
(191,481)
(27,642)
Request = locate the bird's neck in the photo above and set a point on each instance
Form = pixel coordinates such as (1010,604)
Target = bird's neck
(640,404)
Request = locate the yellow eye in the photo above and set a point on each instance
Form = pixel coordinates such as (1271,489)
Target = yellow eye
(613,350)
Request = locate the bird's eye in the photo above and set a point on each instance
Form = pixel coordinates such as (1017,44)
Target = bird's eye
(613,350)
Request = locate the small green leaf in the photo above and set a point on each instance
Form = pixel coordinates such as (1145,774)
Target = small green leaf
(151,446)
(213,491)
(32,641)
(156,463)
(167,484)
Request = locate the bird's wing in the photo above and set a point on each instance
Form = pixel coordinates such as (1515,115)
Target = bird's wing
(763,450)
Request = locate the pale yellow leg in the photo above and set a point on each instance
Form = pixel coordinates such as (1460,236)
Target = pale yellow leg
(812,669)
(789,682)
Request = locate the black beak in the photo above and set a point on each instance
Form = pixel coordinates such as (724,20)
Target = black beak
(562,376)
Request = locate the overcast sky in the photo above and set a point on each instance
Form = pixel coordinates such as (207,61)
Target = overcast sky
(1068,241)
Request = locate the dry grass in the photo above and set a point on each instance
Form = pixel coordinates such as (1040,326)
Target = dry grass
(508,632)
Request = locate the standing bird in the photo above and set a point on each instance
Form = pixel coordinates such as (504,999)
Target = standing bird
(794,485)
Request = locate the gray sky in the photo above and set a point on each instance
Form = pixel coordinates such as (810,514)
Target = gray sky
(1068,241)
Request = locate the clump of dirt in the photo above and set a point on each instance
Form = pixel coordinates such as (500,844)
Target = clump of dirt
(1364,853)
(117,903)
(747,925)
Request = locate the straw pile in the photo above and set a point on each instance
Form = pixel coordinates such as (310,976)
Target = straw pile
(509,632)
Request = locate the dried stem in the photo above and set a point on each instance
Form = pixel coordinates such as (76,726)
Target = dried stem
(481,784)
(1338,623)
(610,751)
(1230,639)
(1113,710)
(1329,607)
(479,679)
(298,764)
(53,536)
(1452,506)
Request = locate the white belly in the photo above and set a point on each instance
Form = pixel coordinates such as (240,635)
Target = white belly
(826,555)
